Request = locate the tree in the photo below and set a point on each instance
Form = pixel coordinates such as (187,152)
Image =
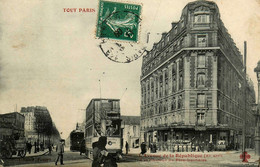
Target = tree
(43,124)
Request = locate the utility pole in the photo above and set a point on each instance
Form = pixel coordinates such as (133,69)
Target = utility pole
(123,93)
(99,88)
(100,83)
(245,106)
(257,130)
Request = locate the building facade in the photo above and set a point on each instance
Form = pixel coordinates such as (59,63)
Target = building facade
(193,84)
(131,130)
(38,125)
(101,114)
(11,124)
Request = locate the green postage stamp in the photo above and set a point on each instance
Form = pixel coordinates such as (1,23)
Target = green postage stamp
(118,20)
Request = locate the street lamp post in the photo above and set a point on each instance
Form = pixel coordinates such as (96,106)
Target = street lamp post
(257,131)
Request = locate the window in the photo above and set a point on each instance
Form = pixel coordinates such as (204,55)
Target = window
(115,105)
(134,130)
(166,106)
(182,42)
(161,86)
(162,43)
(152,94)
(180,102)
(201,61)
(202,40)
(201,18)
(175,30)
(200,118)
(173,69)
(201,80)
(171,48)
(201,100)
(173,84)
(180,64)
(180,82)
(173,107)
(182,23)
(166,82)
(160,108)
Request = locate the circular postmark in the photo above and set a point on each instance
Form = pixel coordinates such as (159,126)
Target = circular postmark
(121,52)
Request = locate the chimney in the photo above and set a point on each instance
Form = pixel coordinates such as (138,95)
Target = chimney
(163,34)
(174,24)
(245,50)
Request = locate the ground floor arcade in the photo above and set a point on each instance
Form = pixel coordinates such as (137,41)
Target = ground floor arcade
(195,139)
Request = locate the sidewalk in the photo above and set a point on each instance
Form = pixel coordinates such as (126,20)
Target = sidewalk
(46,151)
(251,158)
(231,157)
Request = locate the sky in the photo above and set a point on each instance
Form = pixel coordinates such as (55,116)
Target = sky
(51,58)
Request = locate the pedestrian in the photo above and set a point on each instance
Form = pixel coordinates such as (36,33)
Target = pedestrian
(35,147)
(151,147)
(50,149)
(82,147)
(202,146)
(126,147)
(60,151)
(29,147)
(99,152)
(143,148)
(41,146)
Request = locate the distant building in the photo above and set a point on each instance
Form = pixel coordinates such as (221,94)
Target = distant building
(131,130)
(103,118)
(100,115)
(193,84)
(80,126)
(38,124)
(11,123)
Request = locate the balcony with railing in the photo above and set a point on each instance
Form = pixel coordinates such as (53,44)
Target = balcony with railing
(161,57)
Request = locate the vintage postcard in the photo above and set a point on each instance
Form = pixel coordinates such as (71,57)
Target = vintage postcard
(130,83)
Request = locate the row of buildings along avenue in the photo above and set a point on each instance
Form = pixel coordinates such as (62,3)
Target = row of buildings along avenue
(193,85)
(38,125)
(33,123)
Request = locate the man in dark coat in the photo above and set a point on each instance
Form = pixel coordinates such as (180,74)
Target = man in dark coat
(143,148)
(35,147)
(99,151)
(82,147)
(126,147)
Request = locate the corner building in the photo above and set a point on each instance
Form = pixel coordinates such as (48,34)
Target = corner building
(193,85)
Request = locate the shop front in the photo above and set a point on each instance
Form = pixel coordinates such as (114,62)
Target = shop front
(182,139)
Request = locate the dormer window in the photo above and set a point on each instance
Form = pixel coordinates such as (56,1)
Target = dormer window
(202,15)
(201,18)
(175,30)
(182,23)
(162,43)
